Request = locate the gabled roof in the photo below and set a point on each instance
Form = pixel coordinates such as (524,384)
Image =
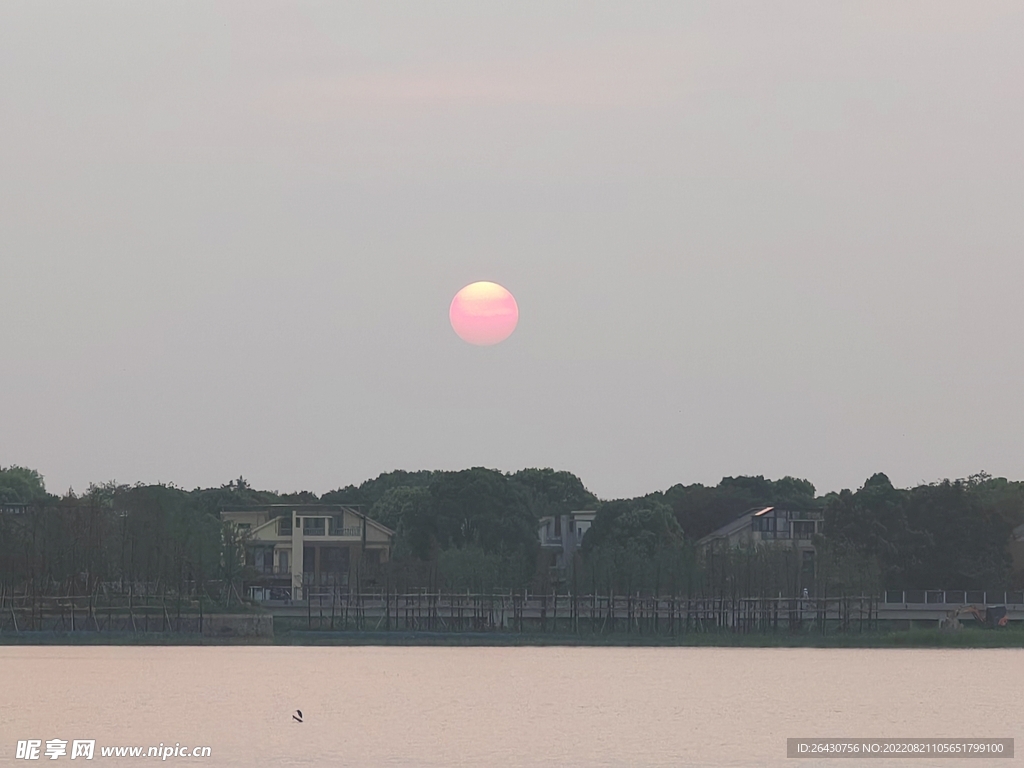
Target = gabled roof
(379,526)
(261,526)
(735,525)
(300,508)
(317,510)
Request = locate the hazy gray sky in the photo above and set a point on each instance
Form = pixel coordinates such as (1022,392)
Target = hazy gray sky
(745,238)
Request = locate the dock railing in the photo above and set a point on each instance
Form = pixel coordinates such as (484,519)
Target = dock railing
(952,597)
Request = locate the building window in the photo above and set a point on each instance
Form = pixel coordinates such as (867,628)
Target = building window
(284,526)
(313,526)
(803,529)
(244,526)
(264,560)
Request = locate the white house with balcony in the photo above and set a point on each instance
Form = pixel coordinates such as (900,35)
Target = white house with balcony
(295,547)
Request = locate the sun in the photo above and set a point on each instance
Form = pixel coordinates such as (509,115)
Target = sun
(483,313)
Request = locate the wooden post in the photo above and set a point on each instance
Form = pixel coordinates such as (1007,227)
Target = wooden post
(131,614)
(574,612)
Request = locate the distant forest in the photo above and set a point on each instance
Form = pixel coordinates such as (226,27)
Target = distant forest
(476,529)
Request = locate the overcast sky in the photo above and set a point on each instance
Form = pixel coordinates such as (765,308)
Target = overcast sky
(745,238)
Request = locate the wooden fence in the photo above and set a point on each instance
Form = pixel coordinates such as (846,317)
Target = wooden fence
(566,613)
(340,609)
(92,613)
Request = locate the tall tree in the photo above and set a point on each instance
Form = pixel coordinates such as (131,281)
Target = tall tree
(21,485)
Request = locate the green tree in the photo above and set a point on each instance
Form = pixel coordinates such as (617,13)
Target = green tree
(561,491)
(21,485)
(371,491)
(702,509)
(473,508)
(636,544)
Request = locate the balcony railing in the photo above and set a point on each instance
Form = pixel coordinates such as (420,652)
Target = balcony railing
(351,531)
(274,570)
(263,594)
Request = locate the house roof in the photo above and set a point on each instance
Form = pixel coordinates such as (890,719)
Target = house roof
(735,525)
(281,508)
(277,510)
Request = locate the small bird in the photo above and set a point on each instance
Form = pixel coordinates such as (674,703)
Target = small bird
(297,717)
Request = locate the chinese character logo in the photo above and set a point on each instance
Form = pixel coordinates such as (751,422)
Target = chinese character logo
(28,750)
(55,748)
(83,749)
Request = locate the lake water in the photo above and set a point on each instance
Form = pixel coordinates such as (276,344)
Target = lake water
(373,706)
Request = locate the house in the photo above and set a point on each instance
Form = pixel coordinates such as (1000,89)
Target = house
(295,548)
(1017,553)
(763,526)
(561,537)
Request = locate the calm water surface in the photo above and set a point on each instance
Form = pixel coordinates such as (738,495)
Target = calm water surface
(503,706)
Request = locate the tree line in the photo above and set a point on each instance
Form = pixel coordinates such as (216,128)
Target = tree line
(476,530)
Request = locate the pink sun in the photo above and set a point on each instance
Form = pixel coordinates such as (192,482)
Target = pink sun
(483,313)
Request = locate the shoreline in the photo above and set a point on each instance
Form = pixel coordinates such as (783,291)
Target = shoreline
(913,638)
